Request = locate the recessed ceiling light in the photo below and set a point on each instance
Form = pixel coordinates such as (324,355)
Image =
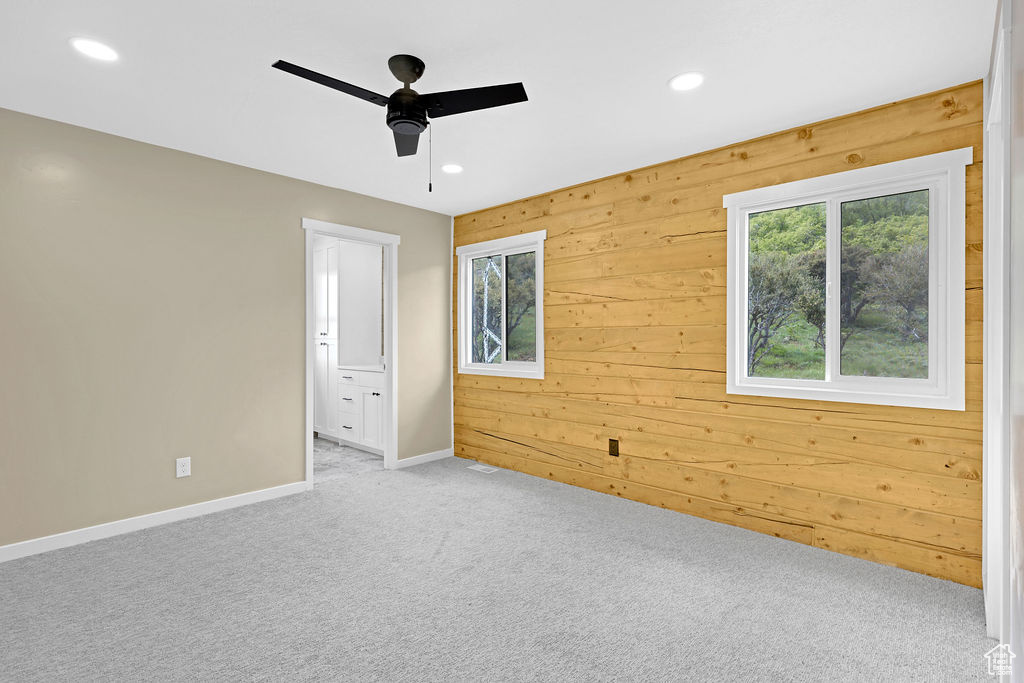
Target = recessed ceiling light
(94,49)
(451,168)
(686,81)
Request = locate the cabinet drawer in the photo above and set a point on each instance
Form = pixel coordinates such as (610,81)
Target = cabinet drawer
(348,428)
(360,378)
(348,399)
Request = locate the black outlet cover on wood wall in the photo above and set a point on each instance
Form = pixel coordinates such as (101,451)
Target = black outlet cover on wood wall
(613,447)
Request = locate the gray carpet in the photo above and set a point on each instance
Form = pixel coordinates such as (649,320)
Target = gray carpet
(440,573)
(333,460)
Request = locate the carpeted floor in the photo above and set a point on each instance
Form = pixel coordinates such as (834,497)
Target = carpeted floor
(440,573)
(333,460)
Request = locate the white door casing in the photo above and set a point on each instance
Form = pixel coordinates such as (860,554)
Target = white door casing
(388,402)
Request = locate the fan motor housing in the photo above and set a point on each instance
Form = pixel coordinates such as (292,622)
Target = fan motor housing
(405,113)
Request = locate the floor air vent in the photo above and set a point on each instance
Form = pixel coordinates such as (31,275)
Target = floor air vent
(483,468)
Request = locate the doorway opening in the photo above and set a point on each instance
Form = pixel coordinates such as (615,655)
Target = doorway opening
(351,350)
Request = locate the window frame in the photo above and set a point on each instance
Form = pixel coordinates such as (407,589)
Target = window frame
(505,247)
(944,176)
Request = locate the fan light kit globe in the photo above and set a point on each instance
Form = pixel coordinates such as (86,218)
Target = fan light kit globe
(451,168)
(686,81)
(94,49)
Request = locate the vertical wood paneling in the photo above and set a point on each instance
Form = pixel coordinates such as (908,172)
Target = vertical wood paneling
(634,308)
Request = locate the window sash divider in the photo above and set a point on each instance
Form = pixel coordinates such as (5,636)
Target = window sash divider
(504,306)
(833,285)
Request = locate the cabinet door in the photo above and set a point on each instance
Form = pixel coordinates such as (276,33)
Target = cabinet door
(332,293)
(372,418)
(331,405)
(320,296)
(322,388)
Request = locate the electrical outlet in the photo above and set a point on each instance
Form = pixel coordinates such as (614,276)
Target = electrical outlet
(183,467)
(613,447)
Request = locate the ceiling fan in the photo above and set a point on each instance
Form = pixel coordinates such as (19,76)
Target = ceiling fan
(409,111)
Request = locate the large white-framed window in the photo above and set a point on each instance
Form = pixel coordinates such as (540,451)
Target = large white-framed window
(850,287)
(501,306)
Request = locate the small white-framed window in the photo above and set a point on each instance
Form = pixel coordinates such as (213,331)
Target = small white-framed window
(501,306)
(850,287)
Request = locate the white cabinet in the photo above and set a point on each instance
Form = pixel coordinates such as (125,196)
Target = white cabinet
(325,292)
(360,401)
(348,429)
(325,337)
(361,378)
(319,292)
(372,413)
(325,414)
(321,387)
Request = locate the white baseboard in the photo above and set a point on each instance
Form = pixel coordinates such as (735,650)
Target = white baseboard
(426,457)
(44,544)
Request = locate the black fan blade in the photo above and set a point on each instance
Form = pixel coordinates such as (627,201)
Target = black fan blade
(406,144)
(471,99)
(344,87)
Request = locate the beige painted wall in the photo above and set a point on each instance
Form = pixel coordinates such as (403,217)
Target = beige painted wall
(151,307)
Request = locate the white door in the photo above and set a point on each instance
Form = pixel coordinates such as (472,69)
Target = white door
(372,418)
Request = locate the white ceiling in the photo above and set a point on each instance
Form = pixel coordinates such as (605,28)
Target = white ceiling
(195,75)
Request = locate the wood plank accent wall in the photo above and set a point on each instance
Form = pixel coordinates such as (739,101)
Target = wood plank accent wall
(635,316)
